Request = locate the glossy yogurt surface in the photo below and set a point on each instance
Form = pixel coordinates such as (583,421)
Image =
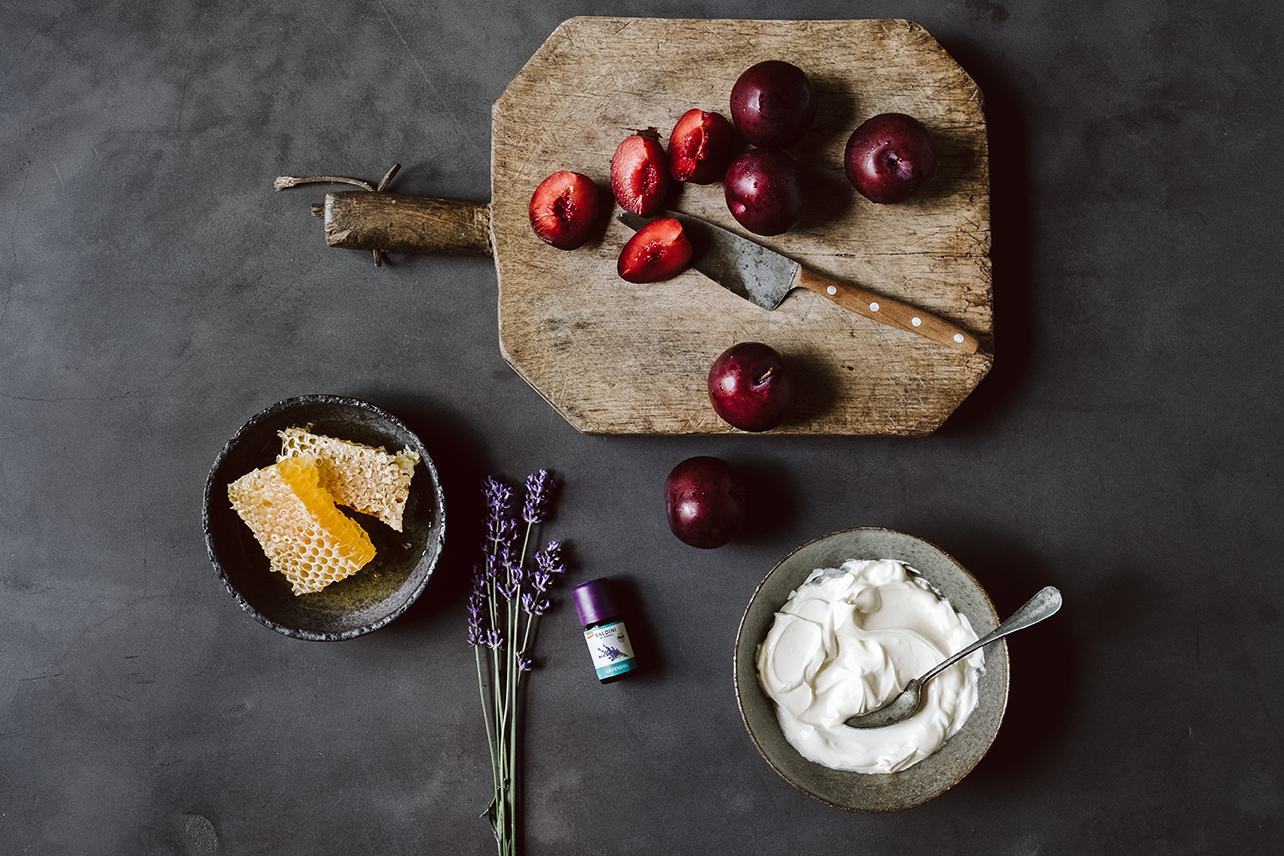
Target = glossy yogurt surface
(846,642)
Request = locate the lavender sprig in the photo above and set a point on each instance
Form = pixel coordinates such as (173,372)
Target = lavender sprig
(503,591)
(534,604)
(538,487)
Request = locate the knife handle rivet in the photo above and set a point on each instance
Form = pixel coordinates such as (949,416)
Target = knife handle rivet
(916,321)
(831,290)
(873,307)
(958,337)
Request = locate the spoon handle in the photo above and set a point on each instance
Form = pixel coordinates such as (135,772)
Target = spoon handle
(1044,603)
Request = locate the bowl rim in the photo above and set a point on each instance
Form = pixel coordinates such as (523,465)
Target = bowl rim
(432,547)
(997,670)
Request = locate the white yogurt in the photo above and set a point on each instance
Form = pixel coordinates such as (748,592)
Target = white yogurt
(846,642)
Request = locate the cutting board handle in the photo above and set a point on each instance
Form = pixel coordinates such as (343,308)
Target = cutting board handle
(399,223)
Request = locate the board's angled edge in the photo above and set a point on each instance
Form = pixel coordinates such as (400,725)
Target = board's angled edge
(980,364)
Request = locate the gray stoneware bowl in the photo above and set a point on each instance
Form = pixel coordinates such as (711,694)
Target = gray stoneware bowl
(363,602)
(866,792)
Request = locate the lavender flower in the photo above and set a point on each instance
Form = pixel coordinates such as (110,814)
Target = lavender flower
(534,604)
(500,534)
(538,486)
(516,573)
(503,591)
(499,498)
(500,527)
(476,606)
(474,622)
(497,563)
(549,560)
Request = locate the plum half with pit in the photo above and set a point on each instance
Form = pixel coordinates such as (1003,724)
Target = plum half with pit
(764,191)
(700,147)
(889,158)
(640,174)
(750,387)
(773,104)
(564,210)
(704,499)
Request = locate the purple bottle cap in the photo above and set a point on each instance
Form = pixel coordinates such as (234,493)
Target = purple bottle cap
(593,601)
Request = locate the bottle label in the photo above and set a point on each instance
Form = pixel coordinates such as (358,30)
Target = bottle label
(612,653)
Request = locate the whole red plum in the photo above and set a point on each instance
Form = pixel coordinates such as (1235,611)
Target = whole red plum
(704,499)
(889,158)
(764,191)
(750,387)
(773,104)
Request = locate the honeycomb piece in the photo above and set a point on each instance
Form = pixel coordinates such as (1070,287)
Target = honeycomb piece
(305,536)
(364,478)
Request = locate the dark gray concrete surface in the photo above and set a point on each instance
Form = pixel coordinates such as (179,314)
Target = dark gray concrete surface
(155,293)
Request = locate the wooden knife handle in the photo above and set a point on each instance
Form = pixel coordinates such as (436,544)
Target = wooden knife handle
(399,223)
(887,311)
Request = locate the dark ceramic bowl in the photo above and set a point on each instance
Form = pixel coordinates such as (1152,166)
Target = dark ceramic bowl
(363,602)
(871,792)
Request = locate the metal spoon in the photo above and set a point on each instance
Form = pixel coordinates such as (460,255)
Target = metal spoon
(906,704)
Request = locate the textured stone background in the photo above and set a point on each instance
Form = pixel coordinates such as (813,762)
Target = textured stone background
(155,293)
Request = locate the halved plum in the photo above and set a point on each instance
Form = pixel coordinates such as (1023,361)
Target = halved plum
(700,147)
(660,250)
(564,209)
(640,174)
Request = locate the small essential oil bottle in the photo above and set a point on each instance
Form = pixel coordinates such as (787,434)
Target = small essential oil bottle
(608,642)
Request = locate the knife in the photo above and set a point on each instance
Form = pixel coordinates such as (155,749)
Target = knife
(763,276)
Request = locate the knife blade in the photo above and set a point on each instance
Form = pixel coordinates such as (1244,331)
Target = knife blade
(765,277)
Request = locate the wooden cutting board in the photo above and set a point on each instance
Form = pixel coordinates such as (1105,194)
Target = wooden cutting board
(619,358)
